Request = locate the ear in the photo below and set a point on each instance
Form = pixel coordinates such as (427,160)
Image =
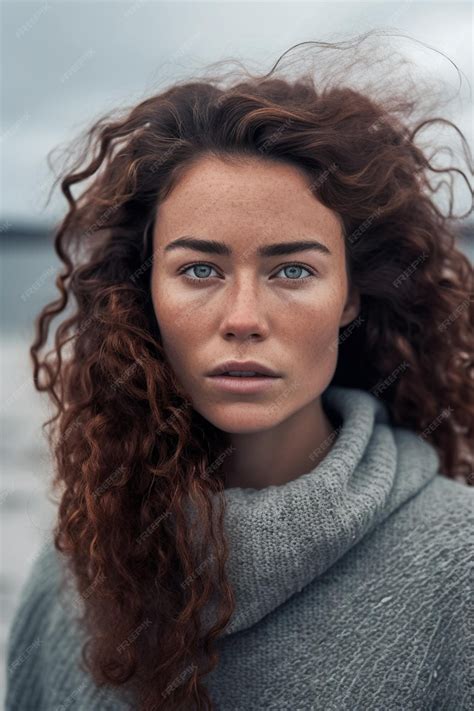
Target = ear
(351,308)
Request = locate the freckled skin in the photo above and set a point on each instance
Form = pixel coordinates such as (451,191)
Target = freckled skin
(245,311)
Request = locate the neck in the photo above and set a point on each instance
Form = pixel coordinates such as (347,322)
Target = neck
(278,455)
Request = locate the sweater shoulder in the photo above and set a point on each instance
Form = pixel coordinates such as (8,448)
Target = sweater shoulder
(45,644)
(28,628)
(446,506)
(434,531)
(38,593)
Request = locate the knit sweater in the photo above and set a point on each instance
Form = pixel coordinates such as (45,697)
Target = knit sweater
(352,586)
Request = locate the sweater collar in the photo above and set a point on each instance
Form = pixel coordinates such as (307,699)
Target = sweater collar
(283,537)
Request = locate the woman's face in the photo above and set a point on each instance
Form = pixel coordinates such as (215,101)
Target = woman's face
(243,305)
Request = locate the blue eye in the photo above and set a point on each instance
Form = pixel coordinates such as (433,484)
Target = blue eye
(206,277)
(198,266)
(296,266)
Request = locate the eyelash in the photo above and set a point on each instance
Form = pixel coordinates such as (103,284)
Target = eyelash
(206,279)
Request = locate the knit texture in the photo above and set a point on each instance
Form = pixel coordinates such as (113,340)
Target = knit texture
(353,588)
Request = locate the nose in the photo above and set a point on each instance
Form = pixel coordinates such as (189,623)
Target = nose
(243,312)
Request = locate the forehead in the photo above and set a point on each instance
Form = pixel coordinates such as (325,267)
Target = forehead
(242,201)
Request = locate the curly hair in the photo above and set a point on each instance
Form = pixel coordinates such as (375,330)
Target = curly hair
(130,452)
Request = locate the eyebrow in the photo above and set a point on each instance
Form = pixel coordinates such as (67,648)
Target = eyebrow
(268,250)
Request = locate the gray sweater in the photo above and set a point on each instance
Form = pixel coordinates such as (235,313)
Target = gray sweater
(352,586)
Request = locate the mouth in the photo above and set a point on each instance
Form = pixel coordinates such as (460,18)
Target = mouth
(246,383)
(247,375)
(243,369)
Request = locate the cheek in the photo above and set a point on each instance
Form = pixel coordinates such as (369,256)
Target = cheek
(315,324)
(313,337)
(175,313)
(180,327)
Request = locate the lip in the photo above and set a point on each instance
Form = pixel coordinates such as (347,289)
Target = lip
(251,365)
(252,384)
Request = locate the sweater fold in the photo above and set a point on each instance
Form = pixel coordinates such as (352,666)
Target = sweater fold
(282,537)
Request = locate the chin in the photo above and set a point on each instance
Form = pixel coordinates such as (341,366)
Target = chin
(241,418)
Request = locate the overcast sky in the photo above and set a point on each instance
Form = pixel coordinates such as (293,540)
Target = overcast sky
(67,62)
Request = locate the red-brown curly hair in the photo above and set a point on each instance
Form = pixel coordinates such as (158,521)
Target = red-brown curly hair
(129,449)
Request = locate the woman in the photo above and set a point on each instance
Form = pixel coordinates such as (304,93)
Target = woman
(294,538)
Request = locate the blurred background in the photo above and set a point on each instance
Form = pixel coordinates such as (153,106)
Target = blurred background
(65,63)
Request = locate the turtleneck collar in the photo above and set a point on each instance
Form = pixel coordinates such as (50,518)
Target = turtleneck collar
(283,536)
